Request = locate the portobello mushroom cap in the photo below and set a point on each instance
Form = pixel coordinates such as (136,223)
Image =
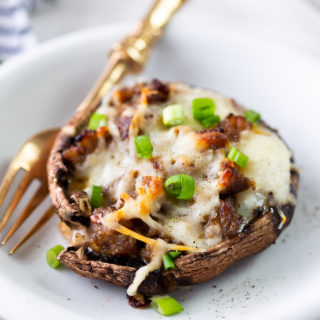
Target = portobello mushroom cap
(260,231)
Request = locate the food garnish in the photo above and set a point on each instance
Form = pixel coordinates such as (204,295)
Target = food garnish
(52,255)
(173,115)
(166,305)
(144,146)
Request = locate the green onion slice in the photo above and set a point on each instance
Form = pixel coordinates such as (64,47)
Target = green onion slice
(181,186)
(52,254)
(144,146)
(173,115)
(96,197)
(210,121)
(252,116)
(203,111)
(237,157)
(97,120)
(167,262)
(166,305)
(174,254)
(203,108)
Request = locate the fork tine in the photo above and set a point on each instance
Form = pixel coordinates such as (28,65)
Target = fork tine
(40,194)
(45,217)
(7,180)
(18,195)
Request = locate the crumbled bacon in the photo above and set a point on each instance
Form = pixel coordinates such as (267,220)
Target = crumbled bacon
(138,301)
(85,143)
(157,91)
(128,95)
(232,125)
(211,139)
(230,220)
(123,124)
(231,180)
(104,133)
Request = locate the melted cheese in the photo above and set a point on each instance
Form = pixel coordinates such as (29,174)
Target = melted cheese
(120,171)
(269,163)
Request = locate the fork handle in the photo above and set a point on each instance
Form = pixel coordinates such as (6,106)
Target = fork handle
(129,55)
(136,47)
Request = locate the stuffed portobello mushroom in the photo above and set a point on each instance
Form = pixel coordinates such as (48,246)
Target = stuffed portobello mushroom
(167,185)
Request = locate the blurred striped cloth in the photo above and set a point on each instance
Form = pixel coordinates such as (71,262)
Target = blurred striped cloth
(16,34)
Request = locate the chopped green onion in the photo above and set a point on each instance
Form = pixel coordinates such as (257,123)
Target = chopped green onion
(173,115)
(167,262)
(203,108)
(237,157)
(174,254)
(252,116)
(181,186)
(97,120)
(144,146)
(165,305)
(96,197)
(203,111)
(215,119)
(52,254)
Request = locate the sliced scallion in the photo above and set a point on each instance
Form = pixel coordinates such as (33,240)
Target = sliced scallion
(52,254)
(252,116)
(165,305)
(237,157)
(97,120)
(96,197)
(203,110)
(144,146)
(215,119)
(173,115)
(174,254)
(167,262)
(181,186)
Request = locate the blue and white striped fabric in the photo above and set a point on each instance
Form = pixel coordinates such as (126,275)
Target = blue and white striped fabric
(15,31)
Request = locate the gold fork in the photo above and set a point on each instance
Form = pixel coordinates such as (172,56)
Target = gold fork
(130,55)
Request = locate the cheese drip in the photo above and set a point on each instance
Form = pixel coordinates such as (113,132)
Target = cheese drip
(149,192)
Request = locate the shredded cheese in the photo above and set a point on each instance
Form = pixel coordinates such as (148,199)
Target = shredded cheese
(177,150)
(283,218)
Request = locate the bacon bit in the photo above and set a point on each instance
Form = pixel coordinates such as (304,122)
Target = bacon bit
(211,139)
(122,95)
(231,180)
(229,219)
(126,95)
(232,125)
(157,92)
(104,133)
(138,301)
(85,144)
(123,124)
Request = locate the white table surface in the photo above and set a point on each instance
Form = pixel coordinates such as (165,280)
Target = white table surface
(292,22)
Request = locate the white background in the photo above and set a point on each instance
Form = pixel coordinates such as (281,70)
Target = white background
(292,22)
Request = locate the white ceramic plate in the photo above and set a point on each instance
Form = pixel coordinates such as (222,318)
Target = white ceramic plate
(42,89)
